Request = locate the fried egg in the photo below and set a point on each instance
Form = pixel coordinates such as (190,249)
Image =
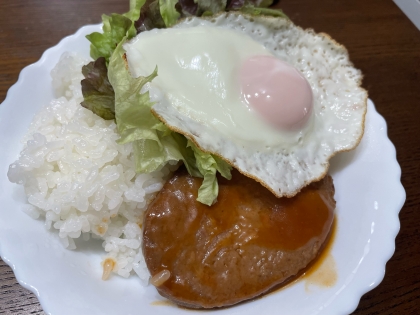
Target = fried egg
(273,100)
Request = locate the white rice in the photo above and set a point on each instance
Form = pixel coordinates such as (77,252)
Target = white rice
(80,180)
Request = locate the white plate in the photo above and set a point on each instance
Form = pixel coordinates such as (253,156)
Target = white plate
(368,192)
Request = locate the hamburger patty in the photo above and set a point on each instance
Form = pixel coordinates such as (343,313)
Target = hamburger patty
(237,249)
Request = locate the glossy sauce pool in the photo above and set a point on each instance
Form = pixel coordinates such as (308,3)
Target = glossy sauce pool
(318,271)
(322,270)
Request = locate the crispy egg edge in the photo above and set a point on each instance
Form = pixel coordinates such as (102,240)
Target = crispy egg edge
(327,164)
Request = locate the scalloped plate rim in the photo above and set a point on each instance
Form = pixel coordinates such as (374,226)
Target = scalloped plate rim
(358,292)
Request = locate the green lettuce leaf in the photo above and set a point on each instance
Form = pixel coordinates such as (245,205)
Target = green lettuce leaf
(115,28)
(237,4)
(210,6)
(208,165)
(249,9)
(154,144)
(135,7)
(169,14)
(150,17)
(97,91)
(149,14)
(262,3)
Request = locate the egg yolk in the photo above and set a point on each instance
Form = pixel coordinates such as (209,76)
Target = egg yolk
(277,91)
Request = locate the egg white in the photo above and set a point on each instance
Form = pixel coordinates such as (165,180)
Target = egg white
(296,159)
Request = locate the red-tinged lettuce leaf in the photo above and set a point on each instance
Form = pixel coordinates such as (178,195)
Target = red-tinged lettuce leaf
(241,4)
(252,7)
(165,13)
(206,7)
(98,94)
(188,7)
(150,17)
(235,4)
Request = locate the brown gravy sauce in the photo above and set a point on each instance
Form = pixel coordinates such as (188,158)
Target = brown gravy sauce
(246,216)
(321,271)
(311,275)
